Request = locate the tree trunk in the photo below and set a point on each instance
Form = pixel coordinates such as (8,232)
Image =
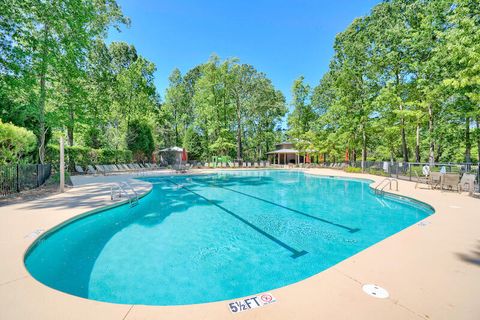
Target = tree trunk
(431,155)
(70,125)
(402,121)
(417,144)
(478,142)
(404,139)
(239,131)
(364,147)
(42,95)
(468,142)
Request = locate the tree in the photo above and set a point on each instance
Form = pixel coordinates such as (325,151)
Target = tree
(140,140)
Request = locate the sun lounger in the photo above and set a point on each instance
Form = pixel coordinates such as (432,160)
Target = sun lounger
(100,169)
(450,181)
(79,169)
(420,179)
(91,169)
(467,183)
(434,179)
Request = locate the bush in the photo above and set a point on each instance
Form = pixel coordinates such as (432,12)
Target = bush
(84,156)
(15,143)
(353,170)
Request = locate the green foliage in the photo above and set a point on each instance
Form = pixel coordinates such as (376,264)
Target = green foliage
(403,85)
(353,170)
(221,108)
(15,143)
(84,156)
(140,140)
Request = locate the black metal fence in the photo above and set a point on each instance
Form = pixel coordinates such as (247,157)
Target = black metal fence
(412,170)
(19,177)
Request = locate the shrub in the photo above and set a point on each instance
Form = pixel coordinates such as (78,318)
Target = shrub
(15,143)
(353,170)
(84,156)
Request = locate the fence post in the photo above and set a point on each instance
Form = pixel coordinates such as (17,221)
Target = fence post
(62,166)
(38,176)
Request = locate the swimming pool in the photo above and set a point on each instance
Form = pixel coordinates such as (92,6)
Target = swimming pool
(205,238)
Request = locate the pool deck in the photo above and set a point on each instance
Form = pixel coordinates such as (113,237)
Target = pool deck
(431,269)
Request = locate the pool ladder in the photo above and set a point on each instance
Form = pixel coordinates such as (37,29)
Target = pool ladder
(379,189)
(124,188)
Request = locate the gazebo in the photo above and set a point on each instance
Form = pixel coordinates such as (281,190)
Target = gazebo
(171,155)
(285,153)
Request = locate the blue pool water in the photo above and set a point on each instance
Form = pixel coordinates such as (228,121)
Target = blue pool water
(198,239)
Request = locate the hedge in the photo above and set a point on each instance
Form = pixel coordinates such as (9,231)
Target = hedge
(84,156)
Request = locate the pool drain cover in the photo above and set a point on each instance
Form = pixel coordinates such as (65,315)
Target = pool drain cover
(375,291)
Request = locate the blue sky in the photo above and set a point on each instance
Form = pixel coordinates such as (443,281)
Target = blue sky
(284,39)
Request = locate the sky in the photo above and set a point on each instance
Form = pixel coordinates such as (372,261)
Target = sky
(284,39)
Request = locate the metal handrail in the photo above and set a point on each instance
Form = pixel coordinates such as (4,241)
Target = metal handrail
(121,187)
(383,185)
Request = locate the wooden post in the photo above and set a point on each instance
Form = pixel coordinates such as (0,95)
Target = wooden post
(62,166)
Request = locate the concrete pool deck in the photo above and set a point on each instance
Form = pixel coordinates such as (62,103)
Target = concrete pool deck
(431,269)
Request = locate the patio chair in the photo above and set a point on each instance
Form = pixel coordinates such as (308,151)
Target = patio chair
(244,164)
(236,164)
(434,179)
(249,164)
(467,183)
(423,179)
(79,169)
(91,169)
(100,169)
(451,181)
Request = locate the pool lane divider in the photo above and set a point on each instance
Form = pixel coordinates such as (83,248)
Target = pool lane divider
(295,253)
(351,230)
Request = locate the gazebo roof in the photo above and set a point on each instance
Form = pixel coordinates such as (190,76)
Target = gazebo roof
(176,149)
(284,151)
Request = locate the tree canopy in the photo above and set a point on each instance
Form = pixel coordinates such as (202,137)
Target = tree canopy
(403,85)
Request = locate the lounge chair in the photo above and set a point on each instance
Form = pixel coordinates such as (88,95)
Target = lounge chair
(450,181)
(79,169)
(244,164)
(249,164)
(421,179)
(467,183)
(236,164)
(100,169)
(434,179)
(91,169)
